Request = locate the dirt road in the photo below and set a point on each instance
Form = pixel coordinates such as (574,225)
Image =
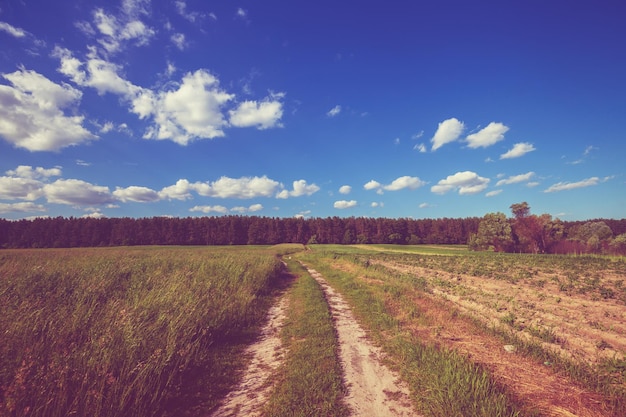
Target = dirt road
(373,390)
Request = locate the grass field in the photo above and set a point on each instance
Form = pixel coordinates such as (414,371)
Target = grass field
(159,331)
(127,331)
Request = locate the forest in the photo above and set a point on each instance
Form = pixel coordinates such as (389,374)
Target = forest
(521,233)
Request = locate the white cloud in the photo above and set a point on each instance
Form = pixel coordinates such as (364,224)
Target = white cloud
(334,111)
(344,204)
(424,205)
(178,39)
(300,188)
(191,111)
(242,188)
(345,189)
(210,209)
(21,208)
(491,134)
(372,185)
(31,115)
(136,194)
(418,135)
(563,186)
(519,149)
(255,207)
(181,8)
(466,182)
(115,31)
(404,182)
(242,13)
(376,204)
(12,188)
(532,184)
(399,183)
(76,192)
(179,191)
(26,171)
(448,131)
(264,115)
(514,179)
(493,193)
(12,30)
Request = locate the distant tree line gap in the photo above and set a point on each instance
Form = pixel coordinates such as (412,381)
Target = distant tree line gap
(522,232)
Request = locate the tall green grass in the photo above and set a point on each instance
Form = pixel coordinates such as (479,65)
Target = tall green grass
(126,331)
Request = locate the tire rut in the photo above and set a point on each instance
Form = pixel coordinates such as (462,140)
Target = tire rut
(373,389)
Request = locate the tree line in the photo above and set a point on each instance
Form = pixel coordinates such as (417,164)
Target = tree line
(529,233)
(479,233)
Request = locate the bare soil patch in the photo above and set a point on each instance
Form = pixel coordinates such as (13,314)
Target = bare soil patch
(580,327)
(373,389)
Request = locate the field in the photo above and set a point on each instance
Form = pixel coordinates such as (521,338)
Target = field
(160,331)
(126,331)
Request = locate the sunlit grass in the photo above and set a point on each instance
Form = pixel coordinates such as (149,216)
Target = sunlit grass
(126,331)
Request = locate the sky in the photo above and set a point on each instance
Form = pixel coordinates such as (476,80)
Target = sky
(278,108)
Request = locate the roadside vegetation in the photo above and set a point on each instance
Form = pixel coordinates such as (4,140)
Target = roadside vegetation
(442,382)
(127,331)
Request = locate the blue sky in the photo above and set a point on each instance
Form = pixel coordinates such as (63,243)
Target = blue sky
(416,109)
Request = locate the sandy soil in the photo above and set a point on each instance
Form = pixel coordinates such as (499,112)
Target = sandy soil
(373,389)
(266,355)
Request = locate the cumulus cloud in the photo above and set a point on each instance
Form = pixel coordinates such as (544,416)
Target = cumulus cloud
(344,204)
(491,134)
(300,188)
(12,188)
(263,115)
(31,113)
(372,185)
(116,31)
(27,171)
(136,194)
(191,111)
(448,131)
(242,188)
(399,183)
(209,209)
(193,108)
(334,111)
(21,208)
(404,182)
(514,179)
(519,149)
(179,191)
(76,192)
(466,182)
(563,186)
(251,209)
(345,189)
(493,193)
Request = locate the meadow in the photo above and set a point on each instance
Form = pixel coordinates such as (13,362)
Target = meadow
(149,331)
(160,331)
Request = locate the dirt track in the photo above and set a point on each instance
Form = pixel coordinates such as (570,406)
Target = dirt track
(373,390)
